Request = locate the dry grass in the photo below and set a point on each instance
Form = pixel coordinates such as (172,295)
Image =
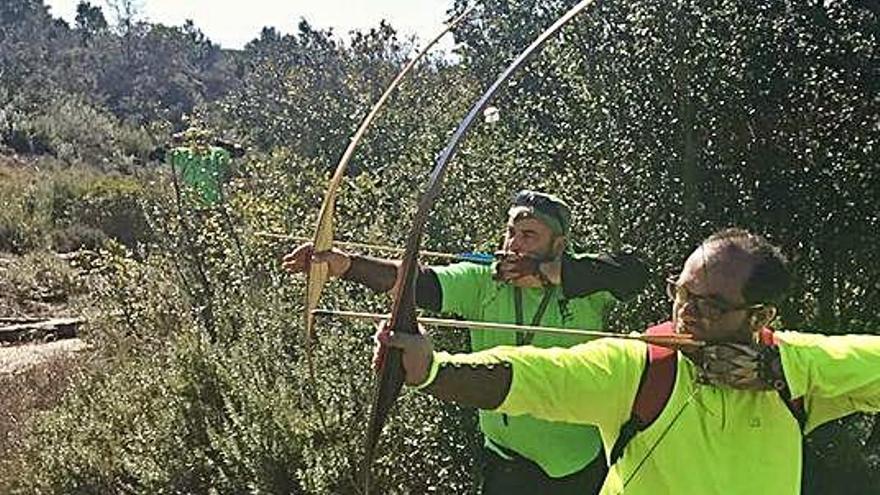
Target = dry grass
(33,377)
(38,388)
(37,284)
(17,359)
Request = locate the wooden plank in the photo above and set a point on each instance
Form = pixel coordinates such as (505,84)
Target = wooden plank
(58,328)
(14,320)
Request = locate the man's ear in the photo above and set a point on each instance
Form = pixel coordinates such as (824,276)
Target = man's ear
(559,244)
(762,317)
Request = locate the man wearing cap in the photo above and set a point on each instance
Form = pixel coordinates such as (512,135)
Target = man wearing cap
(534,282)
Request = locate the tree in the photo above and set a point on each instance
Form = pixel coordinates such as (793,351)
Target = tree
(90,19)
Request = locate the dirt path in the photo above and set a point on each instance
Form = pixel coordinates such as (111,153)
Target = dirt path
(15,359)
(35,321)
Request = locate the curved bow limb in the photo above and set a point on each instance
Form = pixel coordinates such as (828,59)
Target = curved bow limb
(403,314)
(317,273)
(316,277)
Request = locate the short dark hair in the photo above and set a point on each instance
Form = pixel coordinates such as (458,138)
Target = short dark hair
(770,277)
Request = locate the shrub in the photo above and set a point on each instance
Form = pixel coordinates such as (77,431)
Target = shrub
(76,237)
(75,130)
(36,283)
(16,237)
(26,395)
(109,203)
(24,213)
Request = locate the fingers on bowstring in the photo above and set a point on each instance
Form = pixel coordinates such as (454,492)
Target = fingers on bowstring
(300,256)
(506,271)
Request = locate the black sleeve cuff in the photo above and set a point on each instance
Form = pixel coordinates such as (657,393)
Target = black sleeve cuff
(622,274)
(429,294)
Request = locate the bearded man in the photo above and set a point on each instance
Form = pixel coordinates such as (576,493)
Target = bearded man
(535,281)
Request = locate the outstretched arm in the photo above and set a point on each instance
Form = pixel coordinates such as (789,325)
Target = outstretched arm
(836,375)
(592,383)
(378,274)
(482,383)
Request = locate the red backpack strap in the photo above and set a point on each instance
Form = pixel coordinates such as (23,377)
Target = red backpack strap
(657,379)
(766,336)
(794,404)
(655,387)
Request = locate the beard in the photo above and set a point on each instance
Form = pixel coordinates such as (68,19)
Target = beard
(545,253)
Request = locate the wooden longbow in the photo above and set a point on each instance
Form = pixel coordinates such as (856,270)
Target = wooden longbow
(317,273)
(390,375)
(322,240)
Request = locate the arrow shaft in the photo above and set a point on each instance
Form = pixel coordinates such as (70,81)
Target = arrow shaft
(674,341)
(363,245)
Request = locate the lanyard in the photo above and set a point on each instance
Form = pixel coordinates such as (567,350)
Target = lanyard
(525,338)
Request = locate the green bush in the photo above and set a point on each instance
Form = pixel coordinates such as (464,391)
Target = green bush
(16,237)
(187,420)
(36,389)
(109,203)
(38,283)
(74,130)
(69,207)
(24,214)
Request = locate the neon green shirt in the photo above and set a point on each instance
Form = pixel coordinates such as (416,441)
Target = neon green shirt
(469,291)
(707,440)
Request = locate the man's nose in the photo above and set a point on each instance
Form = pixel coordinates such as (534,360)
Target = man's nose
(514,243)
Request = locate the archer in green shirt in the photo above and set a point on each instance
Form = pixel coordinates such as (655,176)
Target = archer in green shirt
(535,282)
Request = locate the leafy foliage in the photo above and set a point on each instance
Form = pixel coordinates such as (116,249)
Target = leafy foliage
(659,122)
(68,208)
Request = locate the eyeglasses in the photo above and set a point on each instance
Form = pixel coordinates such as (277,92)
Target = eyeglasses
(709,307)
